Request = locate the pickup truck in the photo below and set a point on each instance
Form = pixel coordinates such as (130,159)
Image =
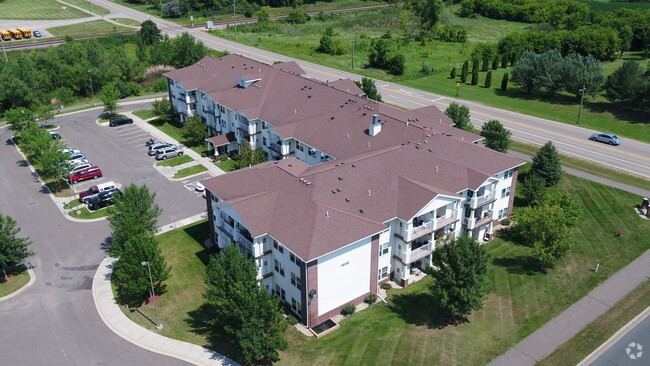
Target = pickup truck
(93,191)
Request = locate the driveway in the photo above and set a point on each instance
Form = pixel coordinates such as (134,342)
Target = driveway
(55,321)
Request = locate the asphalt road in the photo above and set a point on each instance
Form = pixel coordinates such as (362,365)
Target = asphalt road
(633,349)
(631,156)
(55,321)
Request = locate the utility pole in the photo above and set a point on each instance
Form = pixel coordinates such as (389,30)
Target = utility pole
(352,52)
(582,98)
(4,51)
(234,16)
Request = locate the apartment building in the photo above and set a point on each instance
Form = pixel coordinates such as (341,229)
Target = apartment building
(356,192)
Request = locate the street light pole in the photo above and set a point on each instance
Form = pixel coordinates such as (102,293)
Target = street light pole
(234,17)
(153,294)
(582,98)
(353,52)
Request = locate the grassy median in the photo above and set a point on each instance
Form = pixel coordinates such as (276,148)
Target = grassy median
(18,281)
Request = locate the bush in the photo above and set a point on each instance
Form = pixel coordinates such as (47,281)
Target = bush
(426,69)
(504,82)
(171,9)
(160,85)
(297,16)
(452,74)
(505,222)
(386,286)
(348,309)
(397,64)
(292,319)
(371,299)
(223,157)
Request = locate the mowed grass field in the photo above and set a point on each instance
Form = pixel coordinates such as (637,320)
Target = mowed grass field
(20,279)
(38,10)
(88,28)
(87,5)
(301,41)
(411,332)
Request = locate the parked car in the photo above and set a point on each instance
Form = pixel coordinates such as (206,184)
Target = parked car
(75,162)
(76,156)
(37,33)
(93,191)
(607,138)
(69,151)
(168,152)
(79,167)
(103,199)
(119,121)
(156,146)
(90,173)
(199,187)
(55,136)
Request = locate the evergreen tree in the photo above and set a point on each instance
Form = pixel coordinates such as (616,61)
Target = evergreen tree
(475,64)
(504,61)
(453,73)
(504,82)
(496,136)
(460,115)
(484,66)
(131,277)
(194,131)
(463,72)
(475,77)
(546,164)
(134,213)
(13,250)
(149,33)
(488,79)
(461,281)
(533,189)
(495,62)
(251,318)
(628,84)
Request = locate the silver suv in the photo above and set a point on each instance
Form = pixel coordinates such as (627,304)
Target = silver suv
(168,152)
(153,149)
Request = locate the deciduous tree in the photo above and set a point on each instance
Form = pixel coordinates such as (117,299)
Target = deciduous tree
(428,11)
(109,96)
(496,136)
(194,131)
(369,88)
(544,229)
(461,281)
(13,250)
(251,318)
(460,115)
(628,84)
(546,164)
(570,205)
(533,189)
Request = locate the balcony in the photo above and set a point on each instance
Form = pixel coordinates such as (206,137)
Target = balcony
(421,252)
(418,231)
(482,200)
(473,223)
(245,242)
(276,146)
(226,227)
(442,221)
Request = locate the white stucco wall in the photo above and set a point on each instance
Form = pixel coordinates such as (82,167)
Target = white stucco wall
(344,275)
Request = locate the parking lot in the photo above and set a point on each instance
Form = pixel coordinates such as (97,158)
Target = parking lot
(121,154)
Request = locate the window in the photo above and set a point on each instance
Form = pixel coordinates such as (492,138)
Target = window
(294,259)
(383,249)
(283,295)
(505,192)
(264,141)
(275,244)
(277,290)
(383,273)
(312,152)
(279,267)
(281,249)
(295,280)
(295,306)
(503,213)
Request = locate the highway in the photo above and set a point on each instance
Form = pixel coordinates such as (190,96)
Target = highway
(631,156)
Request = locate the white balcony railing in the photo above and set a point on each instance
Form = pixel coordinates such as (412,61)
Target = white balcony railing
(244,241)
(442,221)
(472,223)
(420,230)
(487,197)
(420,252)
(229,229)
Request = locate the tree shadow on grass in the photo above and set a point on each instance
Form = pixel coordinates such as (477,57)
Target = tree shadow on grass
(521,264)
(419,309)
(200,323)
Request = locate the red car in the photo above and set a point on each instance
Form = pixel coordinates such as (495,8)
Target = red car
(89,173)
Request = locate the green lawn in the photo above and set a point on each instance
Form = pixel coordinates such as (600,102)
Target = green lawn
(84,214)
(175,161)
(227,165)
(88,6)
(144,113)
(38,10)
(601,329)
(194,169)
(175,131)
(411,332)
(20,279)
(88,28)
(72,204)
(300,41)
(127,21)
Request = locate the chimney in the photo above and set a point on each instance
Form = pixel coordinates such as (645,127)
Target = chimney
(375,126)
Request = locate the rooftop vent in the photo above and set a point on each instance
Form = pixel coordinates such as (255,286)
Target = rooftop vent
(347,200)
(375,127)
(340,178)
(361,210)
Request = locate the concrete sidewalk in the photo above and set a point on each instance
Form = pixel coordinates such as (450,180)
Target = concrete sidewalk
(563,327)
(113,317)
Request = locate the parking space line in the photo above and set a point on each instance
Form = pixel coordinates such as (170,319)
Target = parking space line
(131,132)
(135,137)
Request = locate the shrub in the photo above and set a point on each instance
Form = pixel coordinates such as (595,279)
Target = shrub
(495,63)
(453,73)
(223,157)
(426,69)
(504,82)
(371,299)
(171,9)
(505,222)
(386,286)
(475,77)
(488,79)
(292,319)
(348,309)
(397,64)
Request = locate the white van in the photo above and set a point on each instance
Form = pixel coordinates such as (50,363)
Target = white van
(95,190)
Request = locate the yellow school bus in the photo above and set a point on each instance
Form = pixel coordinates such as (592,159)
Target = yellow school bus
(26,32)
(6,36)
(15,34)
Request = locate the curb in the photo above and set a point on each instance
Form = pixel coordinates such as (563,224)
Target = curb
(121,325)
(32,279)
(613,339)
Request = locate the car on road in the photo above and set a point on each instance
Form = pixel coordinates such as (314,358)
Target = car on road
(168,152)
(103,199)
(80,167)
(93,191)
(607,138)
(159,145)
(55,136)
(90,173)
(37,33)
(119,121)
